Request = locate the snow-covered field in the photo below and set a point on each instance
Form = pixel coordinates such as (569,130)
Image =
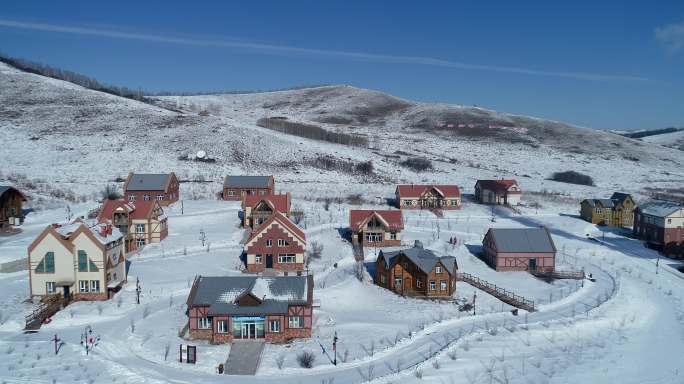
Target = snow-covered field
(68,143)
(582,331)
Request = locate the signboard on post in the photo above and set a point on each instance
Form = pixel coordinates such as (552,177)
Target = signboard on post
(188,354)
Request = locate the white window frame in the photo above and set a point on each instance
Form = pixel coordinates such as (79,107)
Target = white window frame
(287,258)
(295,322)
(222,326)
(257,259)
(419,283)
(83,286)
(160,197)
(139,243)
(274,326)
(433,285)
(443,285)
(131,198)
(397,281)
(50,287)
(94,285)
(203,323)
(269,242)
(438,269)
(393,235)
(283,243)
(140,228)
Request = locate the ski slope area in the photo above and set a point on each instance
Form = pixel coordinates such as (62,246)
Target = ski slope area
(582,330)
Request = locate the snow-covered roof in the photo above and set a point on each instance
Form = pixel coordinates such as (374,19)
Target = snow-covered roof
(424,259)
(104,232)
(660,208)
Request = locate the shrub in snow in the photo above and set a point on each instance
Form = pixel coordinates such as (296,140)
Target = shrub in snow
(572,177)
(306,359)
(119,301)
(167,348)
(146,311)
(315,250)
(99,309)
(280,361)
(132,325)
(435,364)
(418,373)
(344,356)
(110,192)
(417,164)
(452,355)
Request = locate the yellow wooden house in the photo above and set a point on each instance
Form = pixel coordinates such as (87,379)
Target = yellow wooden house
(618,211)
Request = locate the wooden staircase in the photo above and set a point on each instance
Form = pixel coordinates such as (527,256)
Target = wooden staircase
(46,309)
(502,294)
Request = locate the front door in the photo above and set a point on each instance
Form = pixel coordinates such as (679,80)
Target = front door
(249,331)
(533,264)
(269,261)
(66,292)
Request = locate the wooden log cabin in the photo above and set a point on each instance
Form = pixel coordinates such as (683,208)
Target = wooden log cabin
(428,196)
(520,249)
(376,228)
(162,187)
(416,272)
(227,308)
(11,206)
(237,187)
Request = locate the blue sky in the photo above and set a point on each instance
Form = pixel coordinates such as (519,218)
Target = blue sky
(607,64)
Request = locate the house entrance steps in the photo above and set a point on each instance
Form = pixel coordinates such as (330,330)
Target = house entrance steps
(502,294)
(244,357)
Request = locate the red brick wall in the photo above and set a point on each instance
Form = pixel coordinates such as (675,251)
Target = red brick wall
(169,198)
(241,192)
(274,233)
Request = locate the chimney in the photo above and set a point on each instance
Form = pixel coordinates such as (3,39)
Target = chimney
(418,244)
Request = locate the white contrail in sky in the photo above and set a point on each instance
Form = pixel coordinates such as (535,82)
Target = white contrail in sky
(298,51)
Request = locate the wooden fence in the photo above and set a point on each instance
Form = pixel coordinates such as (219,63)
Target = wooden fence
(43,311)
(502,294)
(574,275)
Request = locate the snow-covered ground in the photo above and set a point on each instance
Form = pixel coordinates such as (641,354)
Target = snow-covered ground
(581,331)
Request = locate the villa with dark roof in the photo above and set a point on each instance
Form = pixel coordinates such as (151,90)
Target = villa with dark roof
(376,228)
(504,192)
(660,223)
(11,202)
(163,188)
(618,211)
(416,272)
(274,309)
(519,249)
(428,196)
(237,187)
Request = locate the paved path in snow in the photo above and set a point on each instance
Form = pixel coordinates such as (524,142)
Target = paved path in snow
(244,357)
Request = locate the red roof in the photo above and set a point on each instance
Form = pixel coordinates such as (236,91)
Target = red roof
(415,191)
(136,210)
(501,185)
(284,222)
(280,203)
(357,217)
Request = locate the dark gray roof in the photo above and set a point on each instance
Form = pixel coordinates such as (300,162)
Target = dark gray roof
(522,240)
(619,197)
(607,203)
(659,208)
(276,293)
(424,259)
(5,188)
(247,181)
(148,182)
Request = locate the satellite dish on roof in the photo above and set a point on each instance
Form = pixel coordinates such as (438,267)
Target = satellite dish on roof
(201,154)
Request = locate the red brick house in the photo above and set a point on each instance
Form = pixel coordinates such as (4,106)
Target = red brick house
(277,244)
(237,187)
(504,192)
(416,272)
(428,196)
(256,209)
(163,188)
(11,202)
(660,223)
(376,228)
(140,222)
(227,308)
(520,249)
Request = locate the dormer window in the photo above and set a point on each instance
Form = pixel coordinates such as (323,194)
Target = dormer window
(438,269)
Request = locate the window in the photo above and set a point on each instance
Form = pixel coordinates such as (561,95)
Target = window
(160,197)
(231,193)
(83,286)
(393,235)
(419,283)
(257,259)
(146,197)
(204,323)
(269,243)
(94,285)
(383,278)
(50,287)
(92,266)
(454,202)
(274,326)
(409,202)
(433,285)
(82,261)
(259,220)
(262,192)
(397,282)
(286,258)
(131,197)
(669,221)
(442,285)
(296,322)
(438,269)
(140,228)
(283,243)
(222,326)
(47,265)
(140,243)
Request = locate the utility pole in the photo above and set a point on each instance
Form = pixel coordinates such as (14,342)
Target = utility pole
(335,348)
(203,236)
(657,263)
(56,340)
(137,290)
(474,296)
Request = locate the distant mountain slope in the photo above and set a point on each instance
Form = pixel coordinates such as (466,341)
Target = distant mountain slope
(79,138)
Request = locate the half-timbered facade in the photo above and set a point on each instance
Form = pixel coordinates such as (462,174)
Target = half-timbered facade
(82,260)
(257,209)
(618,211)
(520,249)
(140,222)
(503,192)
(428,196)
(162,187)
(660,223)
(274,309)
(278,244)
(237,187)
(11,204)
(416,272)
(376,228)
